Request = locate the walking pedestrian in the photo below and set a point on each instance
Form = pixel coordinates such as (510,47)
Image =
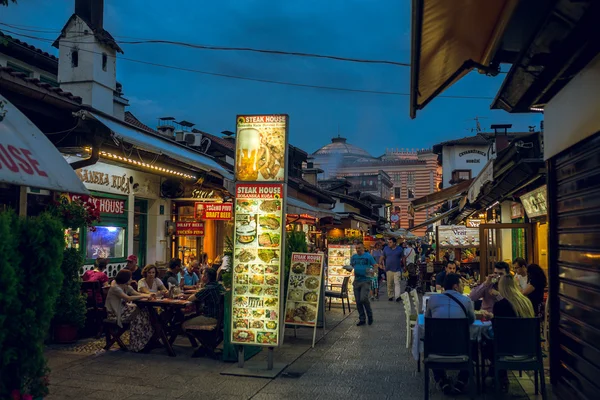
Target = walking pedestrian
(392,259)
(363,265)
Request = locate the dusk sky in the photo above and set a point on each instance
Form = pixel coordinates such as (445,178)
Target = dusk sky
(376,29)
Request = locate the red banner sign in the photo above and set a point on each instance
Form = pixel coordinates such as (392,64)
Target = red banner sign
(189,228)
(105,205)
(259,191)
(214,211)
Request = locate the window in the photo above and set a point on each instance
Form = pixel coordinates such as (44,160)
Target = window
(397,209)
(397,192)
(106,242)
(49,81)
(411,193)
(74,59)
(19,68)
(459,175)
(104,61)
(411,223)
(410,178)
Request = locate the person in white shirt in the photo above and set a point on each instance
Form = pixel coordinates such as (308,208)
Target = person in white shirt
(520,268)
(409,254)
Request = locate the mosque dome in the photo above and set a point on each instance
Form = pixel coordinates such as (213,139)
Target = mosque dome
(339,147)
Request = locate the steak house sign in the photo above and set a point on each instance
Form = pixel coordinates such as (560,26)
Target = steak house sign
(118,182)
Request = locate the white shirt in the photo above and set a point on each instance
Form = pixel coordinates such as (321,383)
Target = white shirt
(410,255)
(522,280)
(155,285)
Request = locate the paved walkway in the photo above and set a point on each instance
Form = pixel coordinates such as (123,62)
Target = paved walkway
(350,362)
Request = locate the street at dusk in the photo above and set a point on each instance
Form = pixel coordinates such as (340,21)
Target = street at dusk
(299,200)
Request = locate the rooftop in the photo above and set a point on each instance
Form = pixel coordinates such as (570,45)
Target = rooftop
(339,145)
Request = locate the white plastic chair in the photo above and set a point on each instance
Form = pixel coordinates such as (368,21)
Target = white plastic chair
(409,323)
(415,299)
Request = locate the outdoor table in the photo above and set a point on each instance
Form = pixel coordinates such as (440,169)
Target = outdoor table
(167,323)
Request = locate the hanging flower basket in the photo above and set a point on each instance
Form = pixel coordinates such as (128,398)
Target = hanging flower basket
(75,213)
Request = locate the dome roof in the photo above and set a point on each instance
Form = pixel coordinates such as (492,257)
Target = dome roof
(338,145)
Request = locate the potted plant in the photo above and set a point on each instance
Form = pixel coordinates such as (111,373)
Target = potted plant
(71,303)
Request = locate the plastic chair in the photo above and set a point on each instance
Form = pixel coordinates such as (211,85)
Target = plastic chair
(452,353)
(411,319)
(415,299)
(341,294)
(518,353)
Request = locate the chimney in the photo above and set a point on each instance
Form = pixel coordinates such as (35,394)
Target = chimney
(91,11)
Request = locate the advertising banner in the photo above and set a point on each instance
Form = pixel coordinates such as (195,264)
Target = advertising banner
(457,236)
(213,211)
(534,202)
(261,148)
(104,204)
(189,228)
(304,289)
(339,256)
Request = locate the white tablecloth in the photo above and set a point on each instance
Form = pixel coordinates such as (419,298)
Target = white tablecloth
(478,330)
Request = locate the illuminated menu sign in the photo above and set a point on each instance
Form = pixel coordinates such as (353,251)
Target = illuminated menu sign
(213,211)
(189,228)
(534,202)
(457,236)
(261,148)
(304,289)
(338,257)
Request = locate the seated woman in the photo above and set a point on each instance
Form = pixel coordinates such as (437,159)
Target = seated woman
(119,308)
(150,282)
(97,274)
(513,305)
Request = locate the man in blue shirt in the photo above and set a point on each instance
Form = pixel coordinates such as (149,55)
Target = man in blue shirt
(363,265)
(392,258)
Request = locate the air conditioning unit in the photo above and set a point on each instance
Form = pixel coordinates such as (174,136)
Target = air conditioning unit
(180,136)
(193,139)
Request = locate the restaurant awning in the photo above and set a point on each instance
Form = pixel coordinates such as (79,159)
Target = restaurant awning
(158,145)
(434,219)
(295,206)
(449,39)
(28,158)
(433,199)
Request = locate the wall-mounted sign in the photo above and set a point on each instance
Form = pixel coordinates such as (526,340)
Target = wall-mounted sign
(516,210)
(104,204)
(189,228)
(119,182)
(464,153)
(457,236)
(535,203)
(261,147)
(213,211)
(473,223)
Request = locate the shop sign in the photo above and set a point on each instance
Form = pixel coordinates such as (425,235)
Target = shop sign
(261,147)
(486,175)
(473,223)
(118,182)
(257,262)
(104,204)
(516,210)
(457,236)
(473,151)
(535,203)
(338,257)
(213,211)
(183,228)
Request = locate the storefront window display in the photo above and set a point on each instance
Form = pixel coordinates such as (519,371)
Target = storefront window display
(187,248)
(106,242)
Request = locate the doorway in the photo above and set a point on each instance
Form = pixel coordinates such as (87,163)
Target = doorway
(496,244)
(140,231)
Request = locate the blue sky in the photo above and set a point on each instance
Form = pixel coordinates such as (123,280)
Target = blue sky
(375,29)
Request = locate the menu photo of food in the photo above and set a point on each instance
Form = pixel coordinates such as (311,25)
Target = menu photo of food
(339,256)
(304,289)
(245,229)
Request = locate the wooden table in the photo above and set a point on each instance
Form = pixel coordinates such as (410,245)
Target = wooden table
(166,326)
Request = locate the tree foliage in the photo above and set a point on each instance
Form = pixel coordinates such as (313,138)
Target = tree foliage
(5,2)
(71,304)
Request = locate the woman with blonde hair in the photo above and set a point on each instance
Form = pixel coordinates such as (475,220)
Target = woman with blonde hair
(514,304)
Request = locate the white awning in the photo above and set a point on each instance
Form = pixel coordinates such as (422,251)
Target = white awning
(28,158)
(155,144)
(295,206)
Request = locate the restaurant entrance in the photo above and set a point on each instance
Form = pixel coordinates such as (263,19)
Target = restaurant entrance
(496,244)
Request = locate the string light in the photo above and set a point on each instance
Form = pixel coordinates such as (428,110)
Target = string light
(142,164)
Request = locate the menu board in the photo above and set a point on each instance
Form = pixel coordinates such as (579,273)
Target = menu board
(257,264)
(261,147)
(535,203)
(338,257)
(304,289)
(457,236)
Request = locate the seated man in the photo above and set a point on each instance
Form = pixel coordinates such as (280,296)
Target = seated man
(171,278)
(209,299)
(451,304)
(488,290)
(439,278)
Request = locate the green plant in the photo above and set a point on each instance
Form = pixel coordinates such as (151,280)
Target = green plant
(8,264)
(75,213)
(39,246)
(295,242)
(228,275)
(71,304)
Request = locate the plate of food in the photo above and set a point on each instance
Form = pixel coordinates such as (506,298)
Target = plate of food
(271,291)
(256,290)
(298,268)
(241,313)
(311,283)
(245,238)
(266,239)
(272,269)
(267,337)
(271,314)
(271,302)
(241,279)
(255,302)
(271,325)
(311,297)
(257,324)
(240,301)
(257,279)
(257,269)
(300,312)
(313,269)
(272,280)
(240,323)
(270,206)
(271,222)
(296,281)
(245,205)
(258,313)
(243,336)
(240,289)
(296,295)
(245,255)
(268,255)
(241,269)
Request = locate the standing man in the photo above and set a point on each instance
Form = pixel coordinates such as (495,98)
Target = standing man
(363,265)
(136,272)
(392,259)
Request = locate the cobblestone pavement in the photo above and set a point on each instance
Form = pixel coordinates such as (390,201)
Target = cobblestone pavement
(350,362)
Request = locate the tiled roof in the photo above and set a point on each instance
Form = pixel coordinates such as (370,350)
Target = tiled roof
(132,120)
(309,187)
(41,85)
(229,144)
(100,34)
(28,46)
